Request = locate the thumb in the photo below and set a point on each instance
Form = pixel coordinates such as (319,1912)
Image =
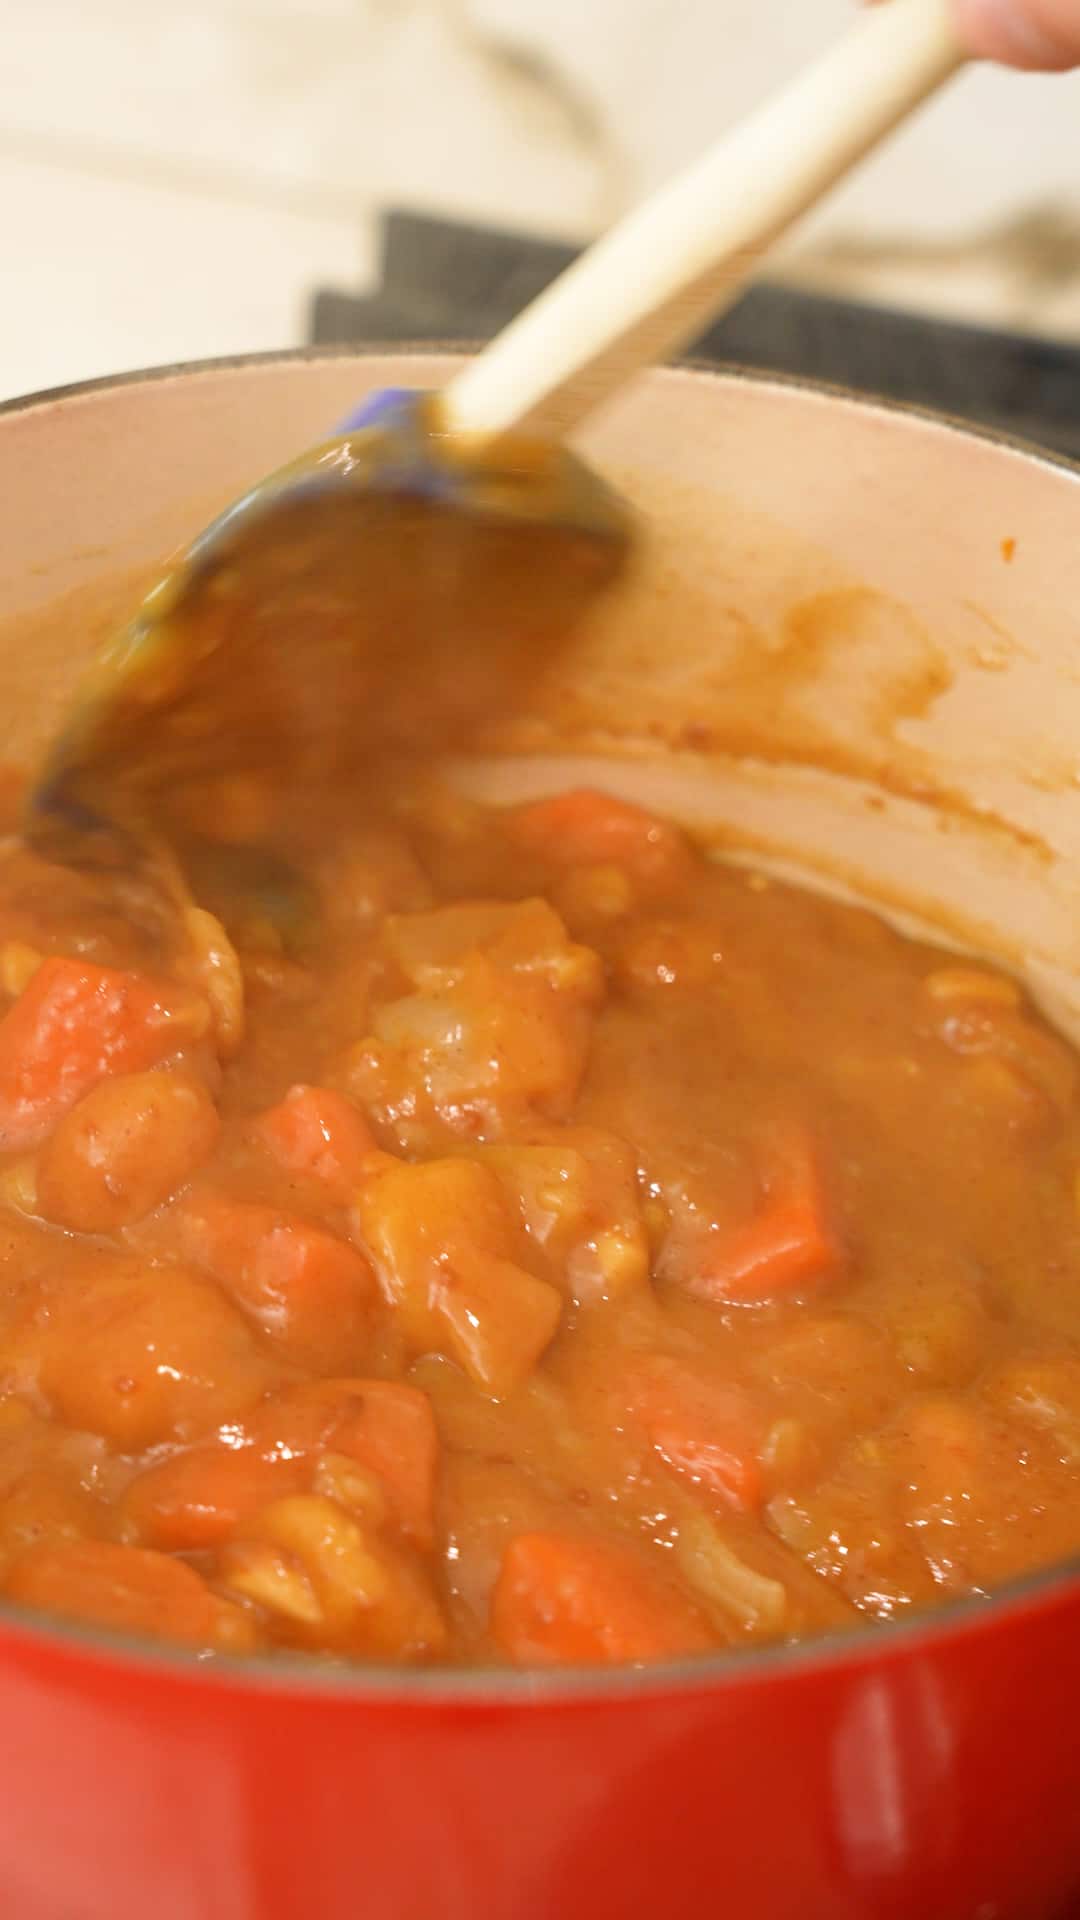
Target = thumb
(1041,35)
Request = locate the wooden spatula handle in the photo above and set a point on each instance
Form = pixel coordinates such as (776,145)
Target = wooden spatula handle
(662,273)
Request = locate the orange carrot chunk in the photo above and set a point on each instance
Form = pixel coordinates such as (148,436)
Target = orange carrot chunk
(72,1025)
(195,1500)
(312,1294)
(788,1245)
(390,1428)
(384,1425)
(709,1433)
(585,827)
(785,1247)
(318,1132)
(560,1600)
(130,1589)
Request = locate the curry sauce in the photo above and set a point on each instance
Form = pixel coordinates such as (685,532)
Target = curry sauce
(568,1249)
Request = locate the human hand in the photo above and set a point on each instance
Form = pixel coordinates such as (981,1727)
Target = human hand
(1042,35)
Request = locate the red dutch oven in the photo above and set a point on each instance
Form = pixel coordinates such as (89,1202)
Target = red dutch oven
(902,603)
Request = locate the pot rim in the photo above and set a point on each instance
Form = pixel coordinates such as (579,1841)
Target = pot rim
(712,371)
(492,1686)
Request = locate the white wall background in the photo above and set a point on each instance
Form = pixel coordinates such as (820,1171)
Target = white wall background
(174,183)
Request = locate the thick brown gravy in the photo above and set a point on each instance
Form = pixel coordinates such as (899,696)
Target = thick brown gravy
(568,1248)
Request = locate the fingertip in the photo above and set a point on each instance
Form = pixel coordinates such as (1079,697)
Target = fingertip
(1038,36)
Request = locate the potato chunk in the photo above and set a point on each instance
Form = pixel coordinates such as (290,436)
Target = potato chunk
(441,1241)
(126,1148)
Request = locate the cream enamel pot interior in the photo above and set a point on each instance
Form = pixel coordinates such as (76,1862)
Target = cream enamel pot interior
(852,652)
